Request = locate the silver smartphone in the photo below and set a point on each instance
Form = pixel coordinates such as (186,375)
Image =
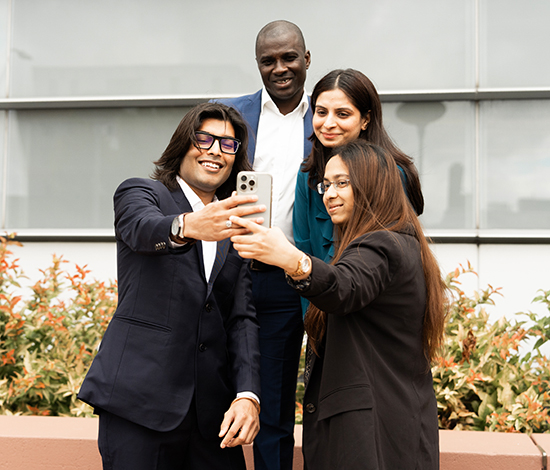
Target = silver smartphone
(258,184)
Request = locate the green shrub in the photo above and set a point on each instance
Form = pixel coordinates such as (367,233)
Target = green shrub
(490,376)
(48,337)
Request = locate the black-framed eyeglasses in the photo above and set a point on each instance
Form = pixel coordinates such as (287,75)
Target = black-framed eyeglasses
(323,187)
(205,140)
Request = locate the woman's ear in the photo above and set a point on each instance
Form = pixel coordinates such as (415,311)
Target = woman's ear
(365,121)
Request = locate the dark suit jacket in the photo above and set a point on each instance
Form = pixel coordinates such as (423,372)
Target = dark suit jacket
(174,334)
(373,357)
(250,107)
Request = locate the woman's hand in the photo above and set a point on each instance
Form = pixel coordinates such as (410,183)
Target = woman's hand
(269,246)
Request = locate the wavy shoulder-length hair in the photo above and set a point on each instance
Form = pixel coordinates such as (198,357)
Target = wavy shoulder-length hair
(363,95)
(379,203)
(167,167)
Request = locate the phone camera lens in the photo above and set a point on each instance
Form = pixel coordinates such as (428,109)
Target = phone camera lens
(243,187)
(243,177)
(252,182)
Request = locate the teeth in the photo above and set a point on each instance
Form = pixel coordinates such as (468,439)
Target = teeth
(214,166)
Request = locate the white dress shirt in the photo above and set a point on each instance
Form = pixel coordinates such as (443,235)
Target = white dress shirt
(280,152)
(208,248)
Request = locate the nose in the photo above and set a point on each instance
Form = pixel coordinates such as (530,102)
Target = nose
(280,67)
(330,122)
(215,149)
(331,192)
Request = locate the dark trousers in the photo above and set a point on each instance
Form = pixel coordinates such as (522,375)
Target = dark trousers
(281,332)
(125,445)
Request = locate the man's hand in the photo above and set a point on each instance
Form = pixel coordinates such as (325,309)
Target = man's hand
(240,424)
(211,222)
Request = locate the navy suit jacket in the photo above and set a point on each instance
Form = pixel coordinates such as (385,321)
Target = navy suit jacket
(174,334)
(250,106)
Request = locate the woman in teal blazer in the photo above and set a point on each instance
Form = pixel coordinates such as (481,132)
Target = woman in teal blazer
(346,106)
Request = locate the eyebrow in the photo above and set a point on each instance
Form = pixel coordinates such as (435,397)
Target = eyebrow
(337,109)
(341,175)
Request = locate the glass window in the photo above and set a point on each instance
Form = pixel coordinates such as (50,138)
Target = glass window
(439,136)
(64,166)
(398,44)
(514,39)
(68,48)
(515,164)
(4,31)
(2,161)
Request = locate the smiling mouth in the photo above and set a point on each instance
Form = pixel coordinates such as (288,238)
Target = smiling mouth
(210,165)
(334,208)
(282,81)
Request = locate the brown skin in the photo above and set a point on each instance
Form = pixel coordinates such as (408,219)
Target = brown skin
(283,62)
(269,246)
(240,424)
(209,224)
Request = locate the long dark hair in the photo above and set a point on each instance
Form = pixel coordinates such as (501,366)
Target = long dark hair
(168,165)
(379,203)
(362,93)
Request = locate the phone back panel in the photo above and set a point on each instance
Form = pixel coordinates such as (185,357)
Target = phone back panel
(258,184)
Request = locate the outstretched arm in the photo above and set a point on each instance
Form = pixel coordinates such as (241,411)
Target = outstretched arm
(269,246)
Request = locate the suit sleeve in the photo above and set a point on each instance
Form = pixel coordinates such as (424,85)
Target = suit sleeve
(139,221)
(364,270)
(243,336)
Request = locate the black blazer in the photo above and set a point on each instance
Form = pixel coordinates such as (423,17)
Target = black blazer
(174,334)
(373,358)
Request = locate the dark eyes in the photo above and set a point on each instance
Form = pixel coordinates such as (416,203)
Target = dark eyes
(323,112)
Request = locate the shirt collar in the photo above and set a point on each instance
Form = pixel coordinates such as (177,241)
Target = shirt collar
(191,195)
(267,102)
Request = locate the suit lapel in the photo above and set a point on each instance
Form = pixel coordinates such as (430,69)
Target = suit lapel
(251,114)
(184,206)
(221,254)
(308,129)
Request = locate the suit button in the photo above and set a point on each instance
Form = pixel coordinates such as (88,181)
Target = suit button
(208,307)
(202,347)
(310,408)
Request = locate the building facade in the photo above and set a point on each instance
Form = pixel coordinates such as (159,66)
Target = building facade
(92,91)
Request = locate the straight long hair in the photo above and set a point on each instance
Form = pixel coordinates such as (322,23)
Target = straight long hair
(381,204)
(167,167)
(363,95)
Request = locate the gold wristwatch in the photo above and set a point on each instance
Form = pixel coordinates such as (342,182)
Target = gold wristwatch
(304,265)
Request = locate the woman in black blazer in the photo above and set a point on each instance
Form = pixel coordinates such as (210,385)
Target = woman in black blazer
(376,320)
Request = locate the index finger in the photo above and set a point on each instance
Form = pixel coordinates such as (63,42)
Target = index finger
(247,223)
(232,433)
(235,200)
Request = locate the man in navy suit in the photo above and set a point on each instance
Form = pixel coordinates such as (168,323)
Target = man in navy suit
(176,379)
(279,117)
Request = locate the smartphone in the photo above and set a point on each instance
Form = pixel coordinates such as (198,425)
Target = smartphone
(261,185)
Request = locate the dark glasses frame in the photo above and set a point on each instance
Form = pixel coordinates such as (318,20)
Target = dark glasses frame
(227,141)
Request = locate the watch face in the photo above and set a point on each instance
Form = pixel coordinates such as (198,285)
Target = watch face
(175,229)
(305,263)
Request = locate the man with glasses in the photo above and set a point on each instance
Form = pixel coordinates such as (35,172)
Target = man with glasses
(176,380)
(280,119)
